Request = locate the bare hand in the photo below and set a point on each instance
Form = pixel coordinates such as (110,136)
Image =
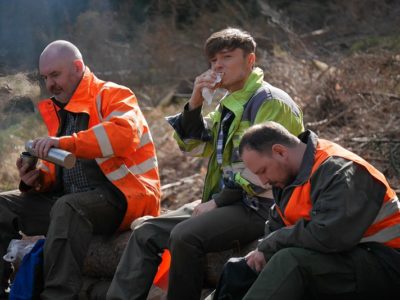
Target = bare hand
(41,146)
(256,260)
(206,80)
(28,176)
(204,207)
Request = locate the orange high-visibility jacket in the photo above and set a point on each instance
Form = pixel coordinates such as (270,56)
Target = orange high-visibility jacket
(385,227)
(118,138)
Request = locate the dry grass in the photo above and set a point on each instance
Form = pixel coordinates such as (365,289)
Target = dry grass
(12,141)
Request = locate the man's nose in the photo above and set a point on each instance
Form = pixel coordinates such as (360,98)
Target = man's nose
(218,66)
(264,180)
(49,83)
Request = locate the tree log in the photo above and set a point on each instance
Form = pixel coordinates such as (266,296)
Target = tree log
(105,252)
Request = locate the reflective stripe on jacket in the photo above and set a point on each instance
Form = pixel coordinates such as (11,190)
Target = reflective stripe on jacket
(386,226)
(118,138)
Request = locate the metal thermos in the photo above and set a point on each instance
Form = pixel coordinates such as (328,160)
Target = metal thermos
(56,156)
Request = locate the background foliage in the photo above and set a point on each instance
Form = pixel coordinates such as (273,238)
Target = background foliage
(340,60)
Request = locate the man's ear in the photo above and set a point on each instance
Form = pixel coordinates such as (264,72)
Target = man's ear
(251,59)
(279,151)
(78,65)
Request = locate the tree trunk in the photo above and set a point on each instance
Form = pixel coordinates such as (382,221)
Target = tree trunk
(105,252)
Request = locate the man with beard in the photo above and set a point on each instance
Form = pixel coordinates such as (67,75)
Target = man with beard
(114,181)
(334,231)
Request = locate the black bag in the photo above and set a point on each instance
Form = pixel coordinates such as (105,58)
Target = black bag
(236,279)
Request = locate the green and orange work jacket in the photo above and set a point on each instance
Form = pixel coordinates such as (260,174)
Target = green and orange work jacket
(300,204)
(337,201)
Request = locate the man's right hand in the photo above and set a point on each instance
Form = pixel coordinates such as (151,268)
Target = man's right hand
(28,176)
(205,80)
(204,207)
(256,260)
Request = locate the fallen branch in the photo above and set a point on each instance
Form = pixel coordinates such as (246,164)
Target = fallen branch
(323,123)
(316,123)
(364,139)
(180,182)
(388,95)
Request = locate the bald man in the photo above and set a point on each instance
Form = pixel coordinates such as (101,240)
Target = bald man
(114,180)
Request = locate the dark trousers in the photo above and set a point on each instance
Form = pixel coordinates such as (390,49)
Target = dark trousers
(297,273)
(189,239)
(68,221)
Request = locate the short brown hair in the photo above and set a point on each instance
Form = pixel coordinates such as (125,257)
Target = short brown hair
(263,136)
(229,38)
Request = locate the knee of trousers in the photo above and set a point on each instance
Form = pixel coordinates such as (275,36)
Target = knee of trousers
(68,204)
(182,236)
(61,207)
(291,258)
(148,235)
(65,217)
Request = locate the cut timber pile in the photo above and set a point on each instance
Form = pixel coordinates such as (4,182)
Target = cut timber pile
(105,252)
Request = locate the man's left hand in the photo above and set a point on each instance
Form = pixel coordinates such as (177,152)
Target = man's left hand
(204,207)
